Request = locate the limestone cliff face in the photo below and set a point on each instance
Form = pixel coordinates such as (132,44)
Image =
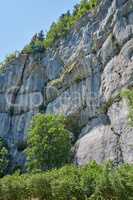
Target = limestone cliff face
(77,78)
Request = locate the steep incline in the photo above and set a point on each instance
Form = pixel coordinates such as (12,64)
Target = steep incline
(81,77)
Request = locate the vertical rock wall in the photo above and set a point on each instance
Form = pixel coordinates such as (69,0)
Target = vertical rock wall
(76,78)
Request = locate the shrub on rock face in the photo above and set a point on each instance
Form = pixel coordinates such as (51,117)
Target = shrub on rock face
(36,45)
(4,157)
(9,58)
(61,28)
(49,143)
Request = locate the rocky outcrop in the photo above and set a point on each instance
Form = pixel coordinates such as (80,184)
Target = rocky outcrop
(76,78)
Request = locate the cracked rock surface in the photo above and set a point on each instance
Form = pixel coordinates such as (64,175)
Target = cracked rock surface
(76,78)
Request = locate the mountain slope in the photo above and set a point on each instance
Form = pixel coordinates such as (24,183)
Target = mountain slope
(82,78)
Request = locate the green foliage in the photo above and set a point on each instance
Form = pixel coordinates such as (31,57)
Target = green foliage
(4,157)
(58,30)
(49,143)
(67,21)
(2,68)
(104,108)
(92,182)
(66,184)
(61,28)
(107,105)
(72,125)
(36,185)
(14,187)
(36,45)
(114,183)
(79,78)
(9,58)
(129,95)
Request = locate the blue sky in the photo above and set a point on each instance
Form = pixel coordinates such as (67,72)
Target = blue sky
(20,19)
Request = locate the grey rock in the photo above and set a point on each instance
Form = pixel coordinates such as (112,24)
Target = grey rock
(112,141)
(86,69)
(96,145)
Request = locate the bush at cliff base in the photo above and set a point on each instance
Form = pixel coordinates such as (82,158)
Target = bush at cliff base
(92,182)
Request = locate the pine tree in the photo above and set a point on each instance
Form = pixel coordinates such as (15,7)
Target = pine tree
(41,35)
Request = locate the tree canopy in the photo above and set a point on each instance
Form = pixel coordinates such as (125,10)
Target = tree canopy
(49,143)
(60,28)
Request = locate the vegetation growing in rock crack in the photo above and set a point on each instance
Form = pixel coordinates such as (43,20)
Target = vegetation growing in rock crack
(104,108)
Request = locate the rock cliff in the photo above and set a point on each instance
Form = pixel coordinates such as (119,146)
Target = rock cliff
(79,77)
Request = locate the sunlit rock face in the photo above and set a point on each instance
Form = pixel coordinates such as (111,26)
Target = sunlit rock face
(76,78)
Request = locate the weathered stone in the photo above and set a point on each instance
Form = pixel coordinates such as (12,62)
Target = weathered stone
(97,145)
(109,49)
(86,69)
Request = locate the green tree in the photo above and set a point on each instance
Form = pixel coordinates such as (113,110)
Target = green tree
(4,155)
(60,28)
(41,35)
(49,143)
(76,9)
(9,58)
(36,44)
